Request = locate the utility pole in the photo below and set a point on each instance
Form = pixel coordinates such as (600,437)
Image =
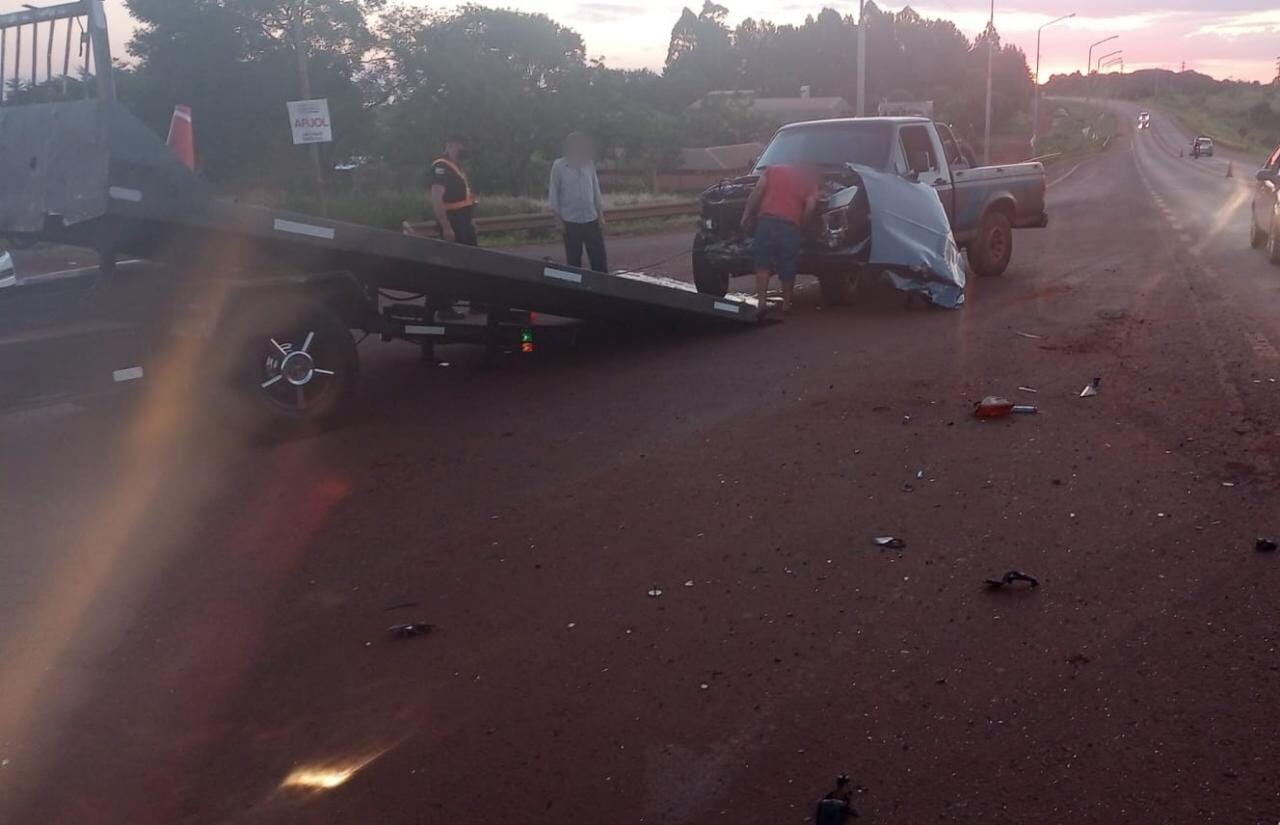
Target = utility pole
(304,82)
(991,53)
(1035,116)
(862,59)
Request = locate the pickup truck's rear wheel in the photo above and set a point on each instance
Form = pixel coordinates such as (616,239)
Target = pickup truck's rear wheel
(1273,242)
(992,249)
(707,279)
(291,363)
(839,287)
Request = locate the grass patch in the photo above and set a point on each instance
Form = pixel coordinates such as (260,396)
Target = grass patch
(388,209)
(1078,129)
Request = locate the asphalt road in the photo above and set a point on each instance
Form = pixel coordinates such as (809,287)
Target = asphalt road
(189,621)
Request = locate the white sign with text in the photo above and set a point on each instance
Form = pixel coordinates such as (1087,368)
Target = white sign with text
(310,122)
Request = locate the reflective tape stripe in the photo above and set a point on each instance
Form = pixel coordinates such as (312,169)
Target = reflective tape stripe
(414,329)
(123,193)
(561,275)
(309,230)
(724,307)
(130,374)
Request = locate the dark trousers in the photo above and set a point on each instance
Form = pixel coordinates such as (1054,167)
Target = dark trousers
(578,235)
(464,228)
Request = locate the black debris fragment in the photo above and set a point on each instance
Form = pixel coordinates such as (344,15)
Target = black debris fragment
(410,630)
(836,808)
(1266,546)
(889,542)
(1012,577)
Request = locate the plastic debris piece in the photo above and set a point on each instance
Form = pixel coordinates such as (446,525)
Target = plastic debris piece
(995,406)
(689,583)
(1091,390)
(410,629)
(1030,335)
(919,474)
(890,542)
(1266,546)
(655,592)
(1012,577)
(1032,390)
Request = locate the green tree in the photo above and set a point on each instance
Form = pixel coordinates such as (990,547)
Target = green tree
(235,63)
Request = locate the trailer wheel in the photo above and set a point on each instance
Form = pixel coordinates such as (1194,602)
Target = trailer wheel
(992,249)
(839,288)
(707,279)
(293,364)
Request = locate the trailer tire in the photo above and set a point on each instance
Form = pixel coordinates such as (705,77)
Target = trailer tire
(839,288)
(707,279)
(992,249)
(291,365)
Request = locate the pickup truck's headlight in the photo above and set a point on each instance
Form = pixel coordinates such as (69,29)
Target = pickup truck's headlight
(835,225)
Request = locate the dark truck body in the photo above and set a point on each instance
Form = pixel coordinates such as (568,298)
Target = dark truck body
(983,204)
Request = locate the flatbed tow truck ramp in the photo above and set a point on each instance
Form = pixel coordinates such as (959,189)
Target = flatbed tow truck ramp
(275,296)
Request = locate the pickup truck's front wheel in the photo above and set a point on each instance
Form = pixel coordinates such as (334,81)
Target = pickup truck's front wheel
(839,287)
(992,249)
(707,278)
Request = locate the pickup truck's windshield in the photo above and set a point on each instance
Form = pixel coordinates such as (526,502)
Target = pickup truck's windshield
(831,145)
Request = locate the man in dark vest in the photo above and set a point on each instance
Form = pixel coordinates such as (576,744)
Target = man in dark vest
(452,200)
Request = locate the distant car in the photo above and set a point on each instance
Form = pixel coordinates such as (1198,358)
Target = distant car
(1144,120)
(8,276)
(1264,228)
(1204,145)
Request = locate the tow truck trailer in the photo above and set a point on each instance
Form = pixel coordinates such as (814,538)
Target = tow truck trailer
(259,305)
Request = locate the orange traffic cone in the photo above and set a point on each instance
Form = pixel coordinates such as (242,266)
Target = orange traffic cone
(182,139)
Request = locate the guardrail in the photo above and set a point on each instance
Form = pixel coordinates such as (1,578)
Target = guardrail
(545,220)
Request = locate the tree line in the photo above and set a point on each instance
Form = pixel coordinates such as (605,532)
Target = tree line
(400,78)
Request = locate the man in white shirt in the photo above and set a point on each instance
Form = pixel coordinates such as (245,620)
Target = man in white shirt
(576,203)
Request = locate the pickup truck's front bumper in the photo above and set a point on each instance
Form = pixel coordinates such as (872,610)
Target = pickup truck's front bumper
(735,257)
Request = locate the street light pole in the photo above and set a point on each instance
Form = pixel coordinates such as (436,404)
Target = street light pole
(1035,117)
(862,59)
(1088,70)
(991,48)
(1104,57)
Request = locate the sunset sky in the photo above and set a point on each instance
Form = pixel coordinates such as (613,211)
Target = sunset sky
(1224,38)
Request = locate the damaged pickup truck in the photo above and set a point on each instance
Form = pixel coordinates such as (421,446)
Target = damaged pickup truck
(879,211)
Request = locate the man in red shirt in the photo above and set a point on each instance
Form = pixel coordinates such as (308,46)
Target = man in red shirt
(782,202)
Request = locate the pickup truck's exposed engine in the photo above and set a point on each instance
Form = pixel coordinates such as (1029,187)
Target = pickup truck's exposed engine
(837,240)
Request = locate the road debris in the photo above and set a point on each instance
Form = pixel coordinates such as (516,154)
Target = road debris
(836,808)
(1266,546)
(1030,335)
(655,592)
(889,541)
(1031,390)
(994,406)
(1012,577)
(410,629)
(1091,390)
(689,583)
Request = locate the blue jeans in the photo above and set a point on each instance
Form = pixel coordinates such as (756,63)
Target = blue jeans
(777,247)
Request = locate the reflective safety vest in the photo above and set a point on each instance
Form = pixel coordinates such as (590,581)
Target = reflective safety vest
(468,198)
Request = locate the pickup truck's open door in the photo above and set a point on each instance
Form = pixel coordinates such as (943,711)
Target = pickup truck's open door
(926,162)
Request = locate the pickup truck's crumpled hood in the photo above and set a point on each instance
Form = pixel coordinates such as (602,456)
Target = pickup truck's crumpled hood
(911,238)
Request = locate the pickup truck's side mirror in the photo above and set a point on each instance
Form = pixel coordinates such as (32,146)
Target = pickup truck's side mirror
(1267,176)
